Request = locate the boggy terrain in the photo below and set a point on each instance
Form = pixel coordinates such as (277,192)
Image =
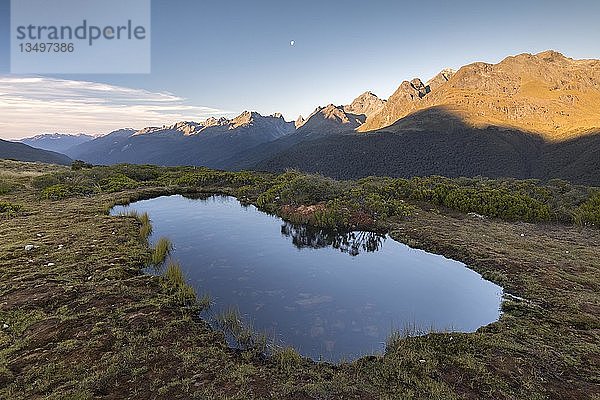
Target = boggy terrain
(80,320)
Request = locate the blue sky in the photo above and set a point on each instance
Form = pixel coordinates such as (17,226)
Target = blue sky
(222,57)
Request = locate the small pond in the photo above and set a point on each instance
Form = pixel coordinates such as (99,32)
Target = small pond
(331,296)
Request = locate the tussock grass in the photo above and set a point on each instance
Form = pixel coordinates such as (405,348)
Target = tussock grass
(398,336)
(244,334)
(205,301)
(161,250)
(174,274)
(230,320)
(174,281)
(143,219)
(287,358)
(145,226)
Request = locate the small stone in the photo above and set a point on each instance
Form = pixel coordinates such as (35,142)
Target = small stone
(421,361)
(39,235)
(4,326)
(29,247)
(522,235)
(50,265)
(89,278)
(475,215)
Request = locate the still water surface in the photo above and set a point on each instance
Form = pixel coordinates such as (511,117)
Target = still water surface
(330,296)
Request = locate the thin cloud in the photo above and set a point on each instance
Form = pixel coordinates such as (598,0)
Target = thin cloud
(33,105)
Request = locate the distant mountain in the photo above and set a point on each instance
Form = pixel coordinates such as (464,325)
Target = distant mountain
(324,122)
(23,152)
(529,116)
(547,93)
(366,104)
(205,143)
(58,142)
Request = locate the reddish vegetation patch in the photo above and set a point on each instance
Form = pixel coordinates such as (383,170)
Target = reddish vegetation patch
(357,220)
(362,220)
(304,212)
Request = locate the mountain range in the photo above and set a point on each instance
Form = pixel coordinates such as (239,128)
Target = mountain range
(528,116)
(58,142)
(22,152)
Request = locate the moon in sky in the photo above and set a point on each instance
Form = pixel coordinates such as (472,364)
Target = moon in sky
(293,42)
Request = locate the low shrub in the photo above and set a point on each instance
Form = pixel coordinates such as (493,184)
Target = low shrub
(78,165)
(117,183)
(9,209)
(63,191)
(206,177)
(5,187)
(295,188)
(589,212)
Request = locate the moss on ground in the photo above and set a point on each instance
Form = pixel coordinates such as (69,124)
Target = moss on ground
(80,320)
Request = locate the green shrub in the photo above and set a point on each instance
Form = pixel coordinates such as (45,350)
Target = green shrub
(295,188)
(497,203)
(79,165)
(139,173)
(378,204)
(56,192)
(206,177)
(63,191)
(589,212)
(9,209)
(5,187)
(509,199)
(117,183)
(44,181)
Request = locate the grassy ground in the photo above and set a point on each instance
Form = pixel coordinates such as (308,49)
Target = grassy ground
(79,320)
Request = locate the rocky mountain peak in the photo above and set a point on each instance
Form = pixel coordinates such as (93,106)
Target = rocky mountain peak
(442,77)
(335,113)
(411,91)
(245,118)
(546,93)
(186,127)
(212,121)
(366,104)
(300,121)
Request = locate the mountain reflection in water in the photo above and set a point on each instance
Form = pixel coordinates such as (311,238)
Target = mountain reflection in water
(298,284)
(352,243)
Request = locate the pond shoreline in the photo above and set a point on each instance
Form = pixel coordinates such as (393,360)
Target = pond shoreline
(381,277)
(83,321)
